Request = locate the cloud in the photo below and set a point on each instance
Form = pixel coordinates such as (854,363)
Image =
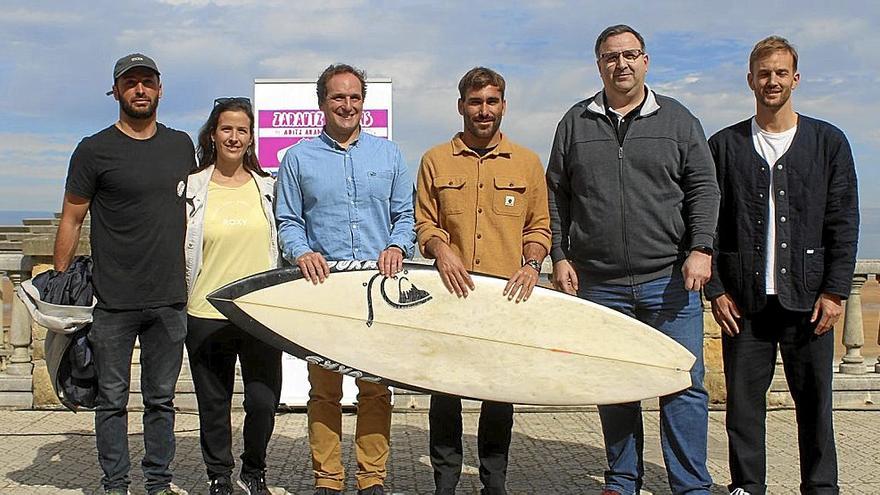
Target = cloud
(35,16)
(30,155)
(33,169)
(58,57)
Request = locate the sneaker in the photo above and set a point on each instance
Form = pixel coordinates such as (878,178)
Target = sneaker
(253,483)
(739,491)
(323,490)
(171,490)
(220,485)
(610,492)
(117,491)
(372,490)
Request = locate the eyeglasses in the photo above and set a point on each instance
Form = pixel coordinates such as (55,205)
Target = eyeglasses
(628,55)
(244,100)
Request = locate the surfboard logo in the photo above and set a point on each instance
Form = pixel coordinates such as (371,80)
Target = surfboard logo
(408,295)
(341,369)
(353,265)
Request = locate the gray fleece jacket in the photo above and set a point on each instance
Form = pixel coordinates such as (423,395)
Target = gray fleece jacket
(628,214)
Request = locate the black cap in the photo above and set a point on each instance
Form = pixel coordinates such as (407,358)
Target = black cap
(130,62)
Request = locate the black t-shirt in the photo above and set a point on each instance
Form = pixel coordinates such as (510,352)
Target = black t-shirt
(137,192)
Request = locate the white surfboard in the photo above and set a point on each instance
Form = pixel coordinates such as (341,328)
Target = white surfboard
(410,332)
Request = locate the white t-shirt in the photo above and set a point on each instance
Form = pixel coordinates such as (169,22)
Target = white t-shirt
(771,146)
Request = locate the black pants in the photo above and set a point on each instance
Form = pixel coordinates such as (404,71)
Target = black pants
(493,444)
(213,346)
(749,362)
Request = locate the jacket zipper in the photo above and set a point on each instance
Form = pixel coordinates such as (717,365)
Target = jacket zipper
(626,257)
(620,142)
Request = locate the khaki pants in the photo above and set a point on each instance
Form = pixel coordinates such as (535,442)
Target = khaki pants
(325,430)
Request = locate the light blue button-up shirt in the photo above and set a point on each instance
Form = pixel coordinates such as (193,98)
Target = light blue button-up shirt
(345,204)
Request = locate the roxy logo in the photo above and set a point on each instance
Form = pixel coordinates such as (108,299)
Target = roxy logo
(342,370)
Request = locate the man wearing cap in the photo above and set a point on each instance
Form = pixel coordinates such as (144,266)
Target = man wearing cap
(131,178)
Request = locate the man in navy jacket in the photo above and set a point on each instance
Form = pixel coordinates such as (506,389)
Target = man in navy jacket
(786,248)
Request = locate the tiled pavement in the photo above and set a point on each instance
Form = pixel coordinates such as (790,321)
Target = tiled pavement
(552,453)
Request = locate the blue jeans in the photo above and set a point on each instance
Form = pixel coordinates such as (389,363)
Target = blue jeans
(684,416)
(161,332)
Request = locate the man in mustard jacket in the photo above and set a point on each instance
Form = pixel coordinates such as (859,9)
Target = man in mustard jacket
(481,206)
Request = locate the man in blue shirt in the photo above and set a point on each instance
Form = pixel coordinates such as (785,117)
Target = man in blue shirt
(345,195)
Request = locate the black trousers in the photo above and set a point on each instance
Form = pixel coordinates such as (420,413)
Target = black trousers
(493,444)
(213,346)
(749,362)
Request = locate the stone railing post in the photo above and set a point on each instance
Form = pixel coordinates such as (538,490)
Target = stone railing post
(853,363)
(4,335)
(20,362)
(877,365)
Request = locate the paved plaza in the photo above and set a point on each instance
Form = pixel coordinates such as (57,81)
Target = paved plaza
(552,453)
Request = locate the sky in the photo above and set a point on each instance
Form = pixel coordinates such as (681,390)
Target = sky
(56,61)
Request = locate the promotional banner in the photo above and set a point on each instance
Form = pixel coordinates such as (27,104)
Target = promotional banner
(287,111)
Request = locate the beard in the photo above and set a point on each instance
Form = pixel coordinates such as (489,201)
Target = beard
(135,113)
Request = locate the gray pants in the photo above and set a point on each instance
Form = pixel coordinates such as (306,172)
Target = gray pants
(161,332)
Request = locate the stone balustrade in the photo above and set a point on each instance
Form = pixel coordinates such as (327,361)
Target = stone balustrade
(16,360)
(853,363)
(17,338)
(20,340)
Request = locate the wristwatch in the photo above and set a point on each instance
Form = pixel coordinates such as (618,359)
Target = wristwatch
(704,249)
(534,264)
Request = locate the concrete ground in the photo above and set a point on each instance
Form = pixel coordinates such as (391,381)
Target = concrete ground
(551,453)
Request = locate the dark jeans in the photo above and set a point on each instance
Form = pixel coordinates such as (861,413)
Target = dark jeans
(493,444)
(161,332)
(749,363)
(213,346)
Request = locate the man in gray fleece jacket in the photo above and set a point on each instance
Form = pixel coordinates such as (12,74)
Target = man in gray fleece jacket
(633,207)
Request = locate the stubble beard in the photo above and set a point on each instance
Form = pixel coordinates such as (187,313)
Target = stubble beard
(488,133)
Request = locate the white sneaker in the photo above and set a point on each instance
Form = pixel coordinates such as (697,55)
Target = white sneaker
(739,491)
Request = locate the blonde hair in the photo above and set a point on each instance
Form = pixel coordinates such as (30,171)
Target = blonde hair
(769,45)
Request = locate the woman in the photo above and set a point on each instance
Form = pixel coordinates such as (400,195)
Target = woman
(230,234)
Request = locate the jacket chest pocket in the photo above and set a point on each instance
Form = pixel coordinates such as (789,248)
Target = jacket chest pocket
(451,193)
(509,196)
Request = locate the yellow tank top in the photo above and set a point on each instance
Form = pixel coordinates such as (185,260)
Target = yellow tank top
(235,243)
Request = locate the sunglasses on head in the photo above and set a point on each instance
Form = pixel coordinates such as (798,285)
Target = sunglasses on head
(232,99)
